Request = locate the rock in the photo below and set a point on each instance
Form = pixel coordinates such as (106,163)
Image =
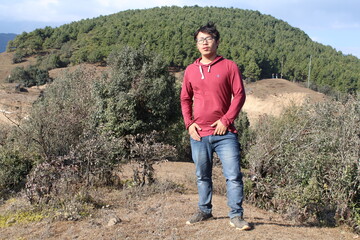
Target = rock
(11,221)
(113,221)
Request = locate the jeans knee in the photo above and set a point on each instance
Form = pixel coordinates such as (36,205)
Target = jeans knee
(234,178)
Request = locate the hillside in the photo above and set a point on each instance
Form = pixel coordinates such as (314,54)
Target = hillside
(260,44)
(268,96)
(4,39)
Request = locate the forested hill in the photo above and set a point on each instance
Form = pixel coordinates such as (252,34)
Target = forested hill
(260,44)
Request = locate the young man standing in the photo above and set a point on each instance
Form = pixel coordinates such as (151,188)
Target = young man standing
(212,96)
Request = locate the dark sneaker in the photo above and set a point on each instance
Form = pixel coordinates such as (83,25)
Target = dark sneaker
(239,223)
(198,217)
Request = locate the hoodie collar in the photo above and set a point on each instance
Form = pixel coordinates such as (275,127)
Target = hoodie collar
(198,63)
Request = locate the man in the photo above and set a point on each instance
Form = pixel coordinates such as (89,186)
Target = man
(212,96)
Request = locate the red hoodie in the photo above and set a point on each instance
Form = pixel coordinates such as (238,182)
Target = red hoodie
(211,92)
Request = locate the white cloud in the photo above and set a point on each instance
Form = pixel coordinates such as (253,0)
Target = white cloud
(33,10)
(70,10)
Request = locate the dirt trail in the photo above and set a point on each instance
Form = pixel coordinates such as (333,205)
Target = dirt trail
(163,216)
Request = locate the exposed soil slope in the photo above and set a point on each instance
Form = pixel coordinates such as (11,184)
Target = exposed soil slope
(270,96)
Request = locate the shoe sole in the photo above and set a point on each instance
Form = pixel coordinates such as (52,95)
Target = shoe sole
(244,228)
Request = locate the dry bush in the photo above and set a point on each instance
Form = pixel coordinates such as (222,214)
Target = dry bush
(60,117)
(65,182)
(145,150)
(307,163)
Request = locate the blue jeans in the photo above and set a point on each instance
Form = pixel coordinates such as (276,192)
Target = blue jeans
(227,148)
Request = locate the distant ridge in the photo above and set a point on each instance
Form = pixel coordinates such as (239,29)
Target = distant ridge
(4,39)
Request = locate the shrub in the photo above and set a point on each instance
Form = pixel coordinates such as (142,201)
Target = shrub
(90,163)
(243,127)
(14,168)
(306,163)
(138,96)
(82,127)
(50,61)
(18,74)
(60,117)
(18,56)
(145,150)
(17,157)
(31,76)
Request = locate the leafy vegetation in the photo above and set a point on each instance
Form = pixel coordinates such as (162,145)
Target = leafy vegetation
(307,163)
(20,217)
(129,97)
(31,76)
(260,44)
(72,140)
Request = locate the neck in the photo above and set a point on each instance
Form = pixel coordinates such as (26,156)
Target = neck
(208,59)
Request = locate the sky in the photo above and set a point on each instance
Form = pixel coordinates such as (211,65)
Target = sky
(331,22)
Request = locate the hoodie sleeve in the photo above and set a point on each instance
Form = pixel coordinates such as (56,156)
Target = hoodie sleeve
(186,99)
(238,93)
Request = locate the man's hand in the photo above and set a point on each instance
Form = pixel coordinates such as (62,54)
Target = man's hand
(193,131)
(220,128)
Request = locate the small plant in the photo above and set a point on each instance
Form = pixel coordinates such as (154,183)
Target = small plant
(19,217)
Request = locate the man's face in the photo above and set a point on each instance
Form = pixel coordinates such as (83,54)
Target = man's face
(206,44)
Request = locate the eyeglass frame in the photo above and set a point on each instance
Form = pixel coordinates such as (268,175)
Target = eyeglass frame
(207,39)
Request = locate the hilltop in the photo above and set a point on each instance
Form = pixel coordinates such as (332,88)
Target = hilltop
(260,44)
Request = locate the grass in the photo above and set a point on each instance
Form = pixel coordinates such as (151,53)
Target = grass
(18,217)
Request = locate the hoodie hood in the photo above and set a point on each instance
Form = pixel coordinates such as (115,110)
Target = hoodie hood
(201,65)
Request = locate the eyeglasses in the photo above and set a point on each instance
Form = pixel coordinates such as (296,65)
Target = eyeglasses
(207,39)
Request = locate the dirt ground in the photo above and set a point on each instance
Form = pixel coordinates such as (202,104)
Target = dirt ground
(15,104)
(163,215)
(270,96)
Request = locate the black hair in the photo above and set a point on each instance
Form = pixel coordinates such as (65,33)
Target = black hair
(209,28)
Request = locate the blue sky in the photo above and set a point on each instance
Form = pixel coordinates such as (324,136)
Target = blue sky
(330,22)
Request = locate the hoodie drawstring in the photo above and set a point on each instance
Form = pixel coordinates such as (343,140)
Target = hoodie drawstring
(202,73)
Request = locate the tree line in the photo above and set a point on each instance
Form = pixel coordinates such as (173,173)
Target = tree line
(261,45)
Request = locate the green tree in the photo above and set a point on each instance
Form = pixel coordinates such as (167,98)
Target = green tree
(138,96)
(252,72)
